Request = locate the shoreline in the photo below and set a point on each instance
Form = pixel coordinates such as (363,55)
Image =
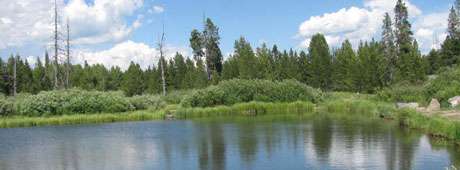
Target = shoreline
(434,126)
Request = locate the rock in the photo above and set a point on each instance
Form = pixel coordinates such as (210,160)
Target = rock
(170,117)
(454,101)
(407,105)
(434,105)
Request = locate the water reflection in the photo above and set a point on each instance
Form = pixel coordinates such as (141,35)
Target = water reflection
(214,144)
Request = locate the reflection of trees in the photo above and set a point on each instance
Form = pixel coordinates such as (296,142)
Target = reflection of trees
(322,138)
(407,145)
(211,149)
(247,141)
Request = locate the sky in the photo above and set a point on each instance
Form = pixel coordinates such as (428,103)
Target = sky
(115,32)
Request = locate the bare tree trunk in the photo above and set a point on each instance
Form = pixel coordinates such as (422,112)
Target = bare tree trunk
(67,65)
(14,76)
(160,47)
(56,46)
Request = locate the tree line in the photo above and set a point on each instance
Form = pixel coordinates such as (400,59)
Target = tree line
(375,64)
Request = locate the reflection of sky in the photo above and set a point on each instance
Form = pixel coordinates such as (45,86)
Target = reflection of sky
(217,145)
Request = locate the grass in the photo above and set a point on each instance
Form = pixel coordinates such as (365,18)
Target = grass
(435,126)
(247,109)
(12,122)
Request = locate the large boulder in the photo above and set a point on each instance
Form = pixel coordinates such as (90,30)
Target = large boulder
(454,101)
(407,105)
(434,106)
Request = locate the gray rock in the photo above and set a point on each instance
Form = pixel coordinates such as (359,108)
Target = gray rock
(434,105)
(454,101)
(407,105)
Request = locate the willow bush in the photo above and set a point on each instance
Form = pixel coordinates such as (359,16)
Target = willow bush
(239,91)
(72,102)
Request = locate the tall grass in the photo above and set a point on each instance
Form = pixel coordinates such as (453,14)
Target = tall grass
(247,109)
(12,122)
(436,126)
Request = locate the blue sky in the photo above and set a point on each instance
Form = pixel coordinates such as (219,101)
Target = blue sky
(287,23)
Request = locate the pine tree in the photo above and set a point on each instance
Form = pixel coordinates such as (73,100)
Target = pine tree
(389,50)
(345,64)
(40,78)
(230,70)
(206,45)
(320,62)
(188,80)
(201,80)
(133,83)
(453,28)
(434,61)
(265,63)
(304,66)
(246,59)
(180,70)
(408,57)
(3,78)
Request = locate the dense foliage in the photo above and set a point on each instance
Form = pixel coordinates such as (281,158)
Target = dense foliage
(445,85)
(73,102)
(236,91)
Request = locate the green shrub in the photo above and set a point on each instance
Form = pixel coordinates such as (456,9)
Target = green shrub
(445,85)
(403,93)
(72,102)
(175,97)
(153,102)
(6,106)
(237,91)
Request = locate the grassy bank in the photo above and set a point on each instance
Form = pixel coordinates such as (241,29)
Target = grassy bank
(20,121)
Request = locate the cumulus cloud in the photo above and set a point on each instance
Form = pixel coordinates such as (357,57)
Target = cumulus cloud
(30,21)
(356,24)
(125,52)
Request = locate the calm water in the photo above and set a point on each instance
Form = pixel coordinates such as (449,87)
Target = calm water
(213,144)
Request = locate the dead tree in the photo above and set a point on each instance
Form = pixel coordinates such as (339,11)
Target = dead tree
(160,48)
(15,76)
(67,63)
(56,46)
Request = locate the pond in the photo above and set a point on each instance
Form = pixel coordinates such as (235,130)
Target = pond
(238,143)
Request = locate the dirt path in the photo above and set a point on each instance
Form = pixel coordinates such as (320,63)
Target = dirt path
(451,114)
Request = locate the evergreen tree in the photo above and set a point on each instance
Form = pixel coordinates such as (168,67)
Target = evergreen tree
(114,78)
(434,61)
(3,78)
(389,50)
(450,50)
(265,64)
(133,83)
(246,59)
(304,67)
(180,70)
(40,78)
(200,74)
(230,70)
(153,78)
(188,82)
(320,62)
(344,70)
(24,76)
(453,28)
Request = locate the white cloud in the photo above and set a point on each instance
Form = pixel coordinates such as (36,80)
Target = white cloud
(123,53)
(102,21)
(158,9)
(356,24)
(30,21)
